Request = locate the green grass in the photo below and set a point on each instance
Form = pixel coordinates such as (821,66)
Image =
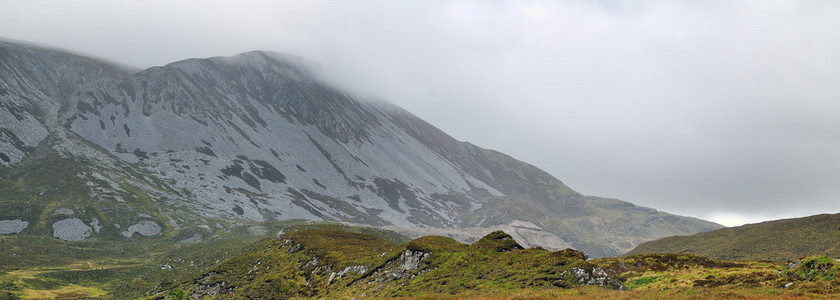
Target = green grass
(436,244)
(45,266)
(390,236)
(635,283)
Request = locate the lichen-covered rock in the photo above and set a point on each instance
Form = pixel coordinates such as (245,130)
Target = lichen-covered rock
(360,269)
(73,229)
(402,266)
(96,226)
(63,211)
(596,276)
(145,228)
(12,226)
(411,259)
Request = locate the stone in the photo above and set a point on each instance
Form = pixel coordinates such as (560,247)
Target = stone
(73,229)
(145,228)
(12,226)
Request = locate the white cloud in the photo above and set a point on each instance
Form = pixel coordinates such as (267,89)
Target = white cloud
(736,219)
(535,11)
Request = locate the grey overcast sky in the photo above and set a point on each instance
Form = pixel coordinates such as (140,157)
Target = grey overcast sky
(723,110)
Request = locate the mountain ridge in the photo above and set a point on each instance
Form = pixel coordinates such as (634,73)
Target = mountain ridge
(260,137)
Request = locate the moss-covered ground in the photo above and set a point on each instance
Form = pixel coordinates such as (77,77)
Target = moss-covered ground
(330,262)
(310,260)
(313,262)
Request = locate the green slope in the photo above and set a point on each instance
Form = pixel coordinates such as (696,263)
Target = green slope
(781,240)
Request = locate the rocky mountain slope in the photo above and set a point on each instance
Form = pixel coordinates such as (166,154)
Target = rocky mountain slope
(780,240)
(92,150)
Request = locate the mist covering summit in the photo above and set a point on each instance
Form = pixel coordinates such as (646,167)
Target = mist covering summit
(200,144)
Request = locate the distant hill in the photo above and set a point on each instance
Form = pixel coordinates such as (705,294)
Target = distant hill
(779,240)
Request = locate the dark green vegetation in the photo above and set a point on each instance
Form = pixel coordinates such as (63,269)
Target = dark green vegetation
(325,261)
(781,240)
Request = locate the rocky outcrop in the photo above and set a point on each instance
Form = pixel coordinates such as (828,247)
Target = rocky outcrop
(12,226)
(402,266)
(144,228)
(73,229)
(595,276)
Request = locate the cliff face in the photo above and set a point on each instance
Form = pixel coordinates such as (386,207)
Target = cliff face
(257,137)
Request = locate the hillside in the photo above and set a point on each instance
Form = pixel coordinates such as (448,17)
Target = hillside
(90,150)
(780,240)
(327,262)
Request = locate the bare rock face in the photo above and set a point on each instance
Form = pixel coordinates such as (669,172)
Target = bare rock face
(73,229)
(145,228)
(12,226)
(63,211)
(400,267)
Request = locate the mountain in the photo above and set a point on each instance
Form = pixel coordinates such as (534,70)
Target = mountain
(780,240)
(93,150)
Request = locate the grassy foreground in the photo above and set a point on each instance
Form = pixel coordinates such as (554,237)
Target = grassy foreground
(326,262)
(342,262)
(672,276)
(42,267)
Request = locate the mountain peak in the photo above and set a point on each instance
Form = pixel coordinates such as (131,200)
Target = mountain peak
(265,61)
